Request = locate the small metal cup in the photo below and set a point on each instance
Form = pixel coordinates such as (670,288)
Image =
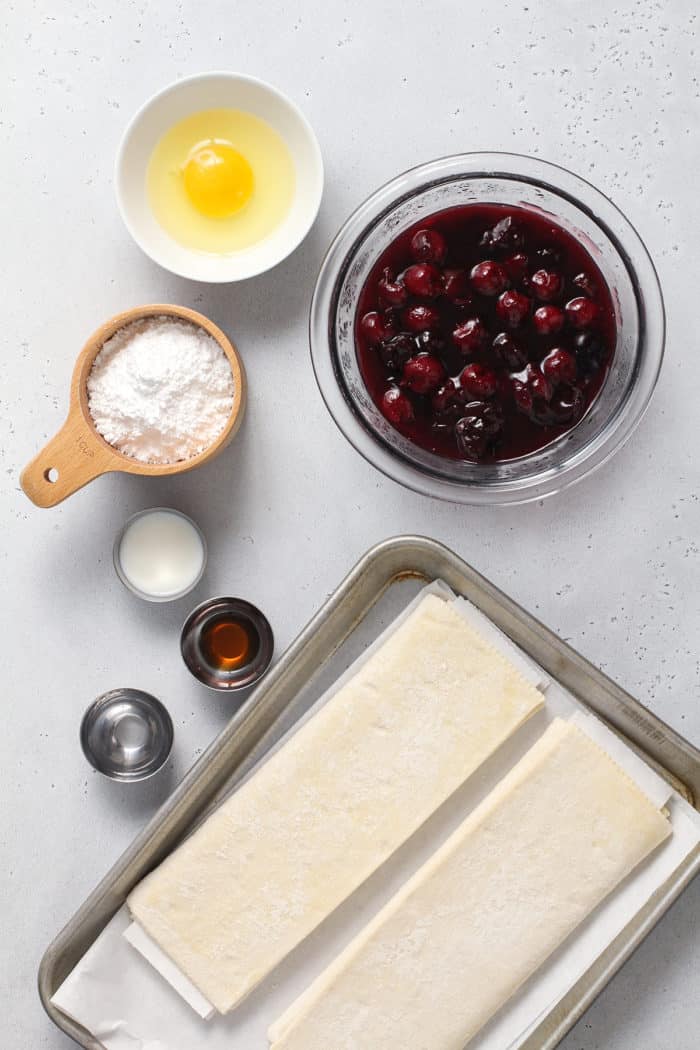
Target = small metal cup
(126,734)
(195,657)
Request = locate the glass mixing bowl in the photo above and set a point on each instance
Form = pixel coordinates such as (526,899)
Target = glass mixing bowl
(497,178)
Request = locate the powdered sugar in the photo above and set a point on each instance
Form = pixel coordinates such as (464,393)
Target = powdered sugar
(160,390)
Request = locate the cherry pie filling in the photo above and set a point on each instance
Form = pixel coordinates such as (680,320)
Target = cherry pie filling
(484,332)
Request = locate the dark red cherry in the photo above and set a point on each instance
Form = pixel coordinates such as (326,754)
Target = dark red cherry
(530,388)
(377,327)
(538,384)
(392,291)
(566,406)
(546,285)
(581,312)
(447,403)
(478,381)
(548,320)
(588,343)
(421,317)
(470,336)
(516,266)
(589,353)
(395,352)
(512,307)
(560,366)
(423,280)
(489,277)
(522,396)
(397,406)
(429,246)
(508,352)
(455,287)
(479,428)
(424,373)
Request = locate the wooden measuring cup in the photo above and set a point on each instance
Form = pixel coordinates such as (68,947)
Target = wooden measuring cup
(77,454)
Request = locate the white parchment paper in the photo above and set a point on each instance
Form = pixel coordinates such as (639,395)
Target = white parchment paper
(126,1003)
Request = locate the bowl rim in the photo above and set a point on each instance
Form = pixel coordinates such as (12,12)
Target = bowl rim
(173,88)
(561,182)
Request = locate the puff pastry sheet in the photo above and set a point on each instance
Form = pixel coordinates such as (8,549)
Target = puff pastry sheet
(330,806)
(550,842)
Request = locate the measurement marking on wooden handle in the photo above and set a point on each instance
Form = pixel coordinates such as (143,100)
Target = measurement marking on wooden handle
(85,447)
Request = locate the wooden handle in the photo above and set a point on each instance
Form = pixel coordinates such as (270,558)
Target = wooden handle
(71,459)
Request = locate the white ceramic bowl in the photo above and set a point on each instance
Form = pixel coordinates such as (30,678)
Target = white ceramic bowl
(213,91)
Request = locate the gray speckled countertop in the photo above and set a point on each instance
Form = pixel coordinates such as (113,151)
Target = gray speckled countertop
(610,90)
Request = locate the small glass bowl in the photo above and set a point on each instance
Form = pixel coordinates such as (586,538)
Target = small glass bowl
(146,595)
(490,178)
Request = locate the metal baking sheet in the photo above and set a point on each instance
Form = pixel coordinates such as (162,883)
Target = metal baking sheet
(279,701)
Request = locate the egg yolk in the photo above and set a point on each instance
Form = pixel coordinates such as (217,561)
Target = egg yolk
(218,179)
